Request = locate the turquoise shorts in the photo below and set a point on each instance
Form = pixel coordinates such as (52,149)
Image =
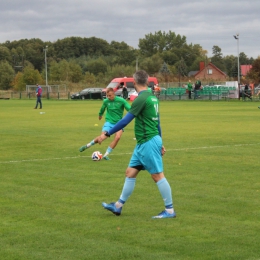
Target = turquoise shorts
(107,126)
(148,156)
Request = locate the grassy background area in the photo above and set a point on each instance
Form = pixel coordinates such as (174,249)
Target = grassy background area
(50,194)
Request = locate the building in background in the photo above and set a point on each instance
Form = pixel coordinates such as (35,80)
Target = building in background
(211,72)
(245,69)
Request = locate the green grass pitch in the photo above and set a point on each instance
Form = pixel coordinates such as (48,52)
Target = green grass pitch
(51,194)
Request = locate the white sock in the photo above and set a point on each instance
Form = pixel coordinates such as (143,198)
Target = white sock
(108,151)
(118,205)
(170,210)
(90,144)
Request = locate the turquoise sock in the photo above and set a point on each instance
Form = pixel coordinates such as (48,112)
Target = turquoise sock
(166,192)
(127,189)
(109,150)
(90,144)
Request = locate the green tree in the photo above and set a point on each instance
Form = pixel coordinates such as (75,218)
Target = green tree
(195,65)
(33,52)
(100,79)
(217,58)
(160,42)
(230,62)
(6,75)
(254,73)
(89,78)
(5,54)
(60,71)
(54,71)
(182,67)
(97,66)
(152,65)
(64,70)
(18,82)
(75,74)
(120,71)
(31,76)
(125,55)
(164,69)
(165,72)
(68,48)
(169,57)
(95,47)
(243,59)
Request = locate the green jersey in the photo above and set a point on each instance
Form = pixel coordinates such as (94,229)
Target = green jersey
(189,86)
(145,108)
(115,109)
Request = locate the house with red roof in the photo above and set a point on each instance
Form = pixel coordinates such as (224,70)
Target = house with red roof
(244,69)
(210,71)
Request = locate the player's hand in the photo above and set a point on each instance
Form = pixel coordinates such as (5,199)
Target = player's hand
(163,150)
(100,117)
(101,138)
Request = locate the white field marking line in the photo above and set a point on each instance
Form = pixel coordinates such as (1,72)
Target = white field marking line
(210,147)
(178,149)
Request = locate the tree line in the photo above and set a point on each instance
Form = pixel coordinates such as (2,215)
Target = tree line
(94,61)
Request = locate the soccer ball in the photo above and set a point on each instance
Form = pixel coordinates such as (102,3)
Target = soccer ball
(96,156)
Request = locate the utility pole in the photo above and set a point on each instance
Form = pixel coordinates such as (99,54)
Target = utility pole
(46,73)
(238,70)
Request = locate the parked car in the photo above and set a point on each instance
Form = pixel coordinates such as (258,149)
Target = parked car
(133,96)
(120,94)
(130,93)
(88,93)
(118,83)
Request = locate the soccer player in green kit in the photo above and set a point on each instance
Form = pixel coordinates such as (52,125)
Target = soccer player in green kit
(149,149)
(115,107)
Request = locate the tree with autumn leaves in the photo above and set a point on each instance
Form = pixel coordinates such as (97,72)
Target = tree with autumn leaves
(254,73)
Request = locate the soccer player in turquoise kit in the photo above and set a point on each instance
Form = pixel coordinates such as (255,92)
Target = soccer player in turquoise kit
(149,149)
(115,108)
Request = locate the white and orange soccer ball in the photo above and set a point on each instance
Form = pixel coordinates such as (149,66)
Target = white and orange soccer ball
(96,156)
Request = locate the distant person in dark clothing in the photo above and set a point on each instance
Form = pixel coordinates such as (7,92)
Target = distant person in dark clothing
(125,92)
(197,88)
(38,96)
(247,92)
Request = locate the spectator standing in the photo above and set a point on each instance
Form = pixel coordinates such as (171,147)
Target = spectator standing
(197,88)
(125,92)
(189,88)
(38,96)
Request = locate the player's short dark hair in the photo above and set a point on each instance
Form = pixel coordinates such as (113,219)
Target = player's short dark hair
(110,90)
(141,77)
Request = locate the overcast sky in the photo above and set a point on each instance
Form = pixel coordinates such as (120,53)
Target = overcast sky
(204,22)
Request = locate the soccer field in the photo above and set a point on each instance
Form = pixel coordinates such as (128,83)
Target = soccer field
(51,194)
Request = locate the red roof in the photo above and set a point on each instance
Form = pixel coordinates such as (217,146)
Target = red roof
(245,69)
(202,67)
